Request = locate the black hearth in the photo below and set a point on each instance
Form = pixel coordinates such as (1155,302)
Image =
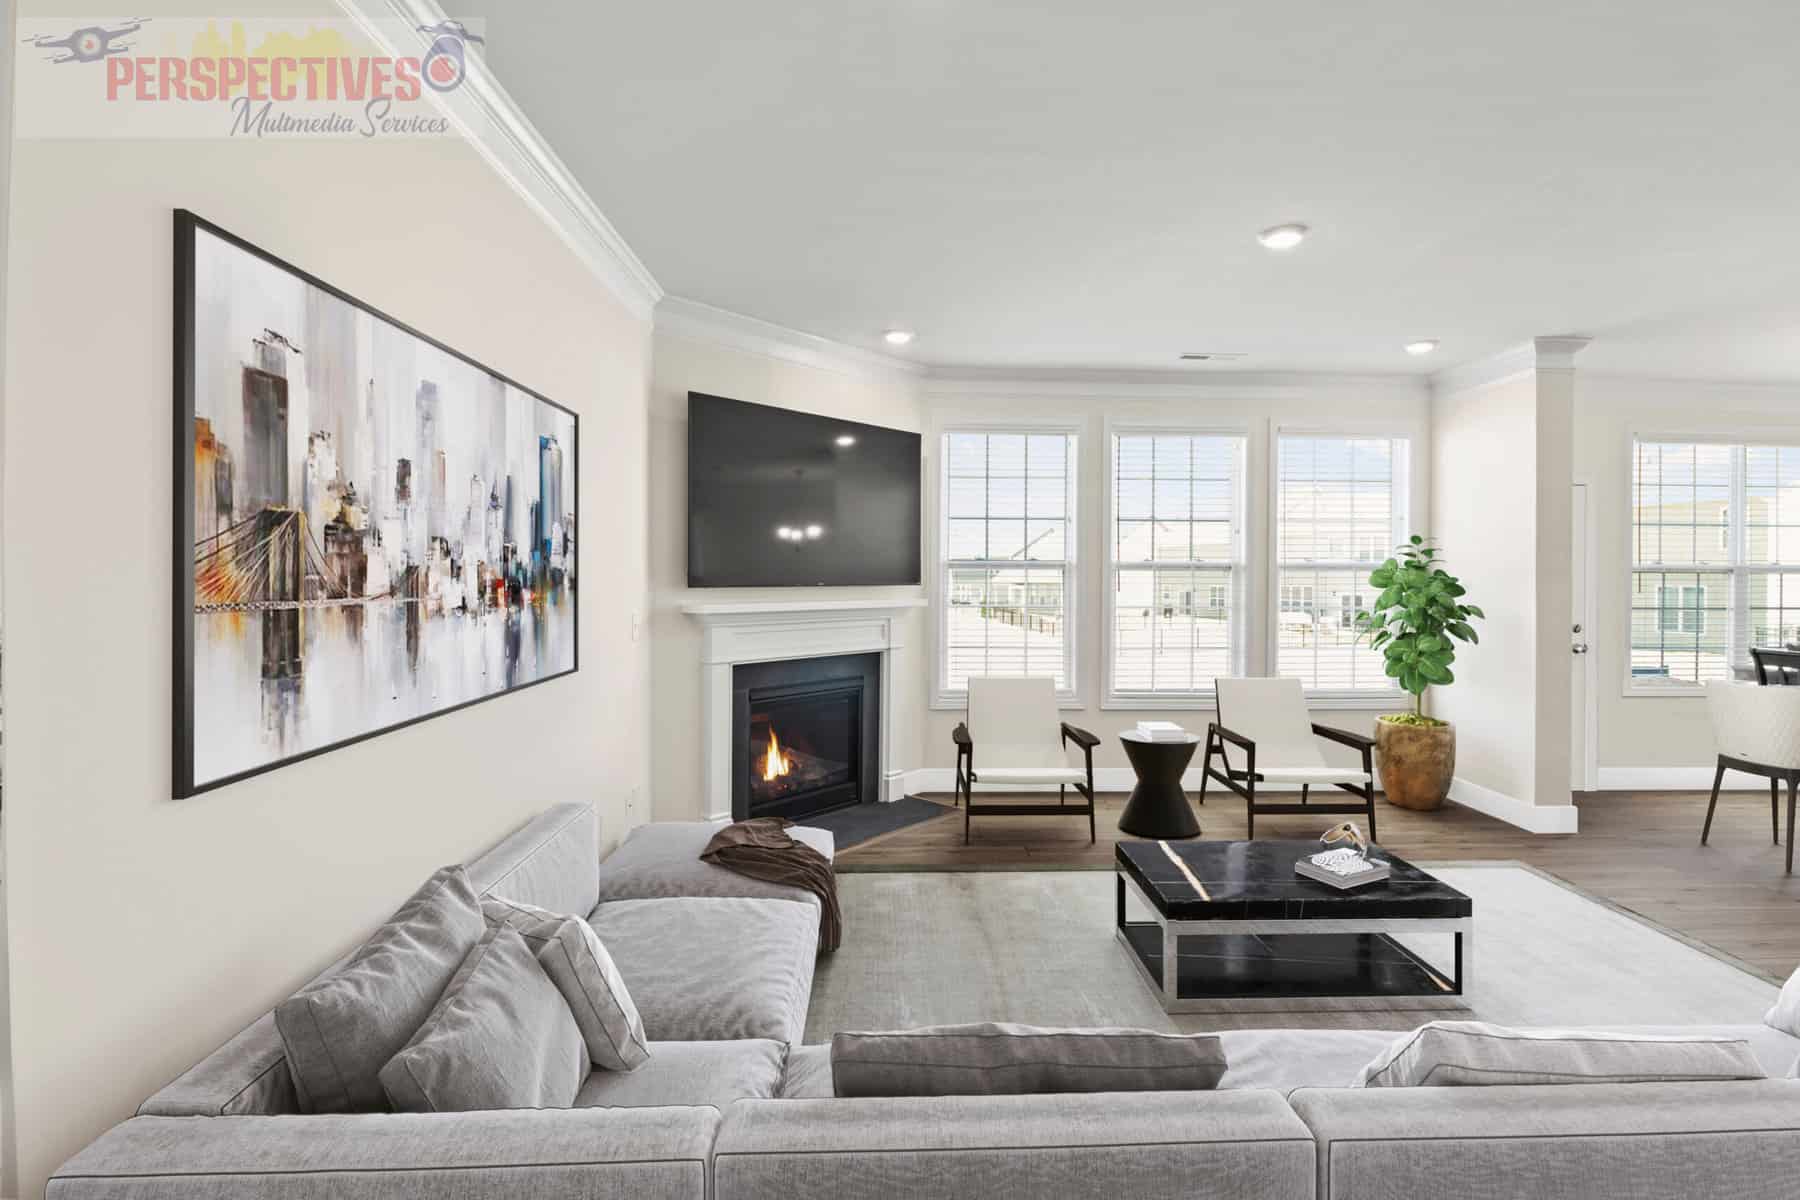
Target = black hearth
(806,735)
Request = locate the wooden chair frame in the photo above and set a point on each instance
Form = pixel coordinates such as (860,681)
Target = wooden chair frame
(966,780)
(1244,782)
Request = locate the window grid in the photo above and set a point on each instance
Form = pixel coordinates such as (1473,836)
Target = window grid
(1175,533)
(1008,548)
(1340,509)
(1715,537)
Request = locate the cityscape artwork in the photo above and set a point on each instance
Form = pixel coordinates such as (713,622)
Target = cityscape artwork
(371,529)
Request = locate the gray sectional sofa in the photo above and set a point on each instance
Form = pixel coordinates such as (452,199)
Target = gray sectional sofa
(730,1105)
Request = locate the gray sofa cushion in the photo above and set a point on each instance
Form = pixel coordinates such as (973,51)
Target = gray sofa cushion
(1142,1145)
(569,1154)
(1785,1013)
(501,1036)
(807,1075)
(715,1073)
(1644,1141)
(340,1030)
(247,1076)
(704,969)
(1464,1053)
(551,861)
(662,859)
(571,954)
(996,1059)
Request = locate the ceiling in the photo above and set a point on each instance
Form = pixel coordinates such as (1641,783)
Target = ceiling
(1051,183)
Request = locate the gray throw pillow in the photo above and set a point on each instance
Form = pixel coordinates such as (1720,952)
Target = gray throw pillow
(991,1059)
(1785,1014)
(1473,1053)
(573,957)
(341,1030)
(502,1036)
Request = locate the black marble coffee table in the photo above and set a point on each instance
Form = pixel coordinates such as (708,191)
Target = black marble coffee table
(1237,924)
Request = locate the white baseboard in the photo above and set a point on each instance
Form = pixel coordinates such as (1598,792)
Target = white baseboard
(1676,779)
(1533,818)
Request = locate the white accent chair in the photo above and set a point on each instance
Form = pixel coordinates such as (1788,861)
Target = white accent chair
(1757,730)
(1012,720)
(1267,720)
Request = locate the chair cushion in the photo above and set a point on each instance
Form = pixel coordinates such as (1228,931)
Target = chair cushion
(707,968)
(683,1073)
(1273,714)
(996,1059)
(1463,1053)
(501,1036)
(1030,775)
(1013,715)
(340,1030)
(662,859)
(571,954)
(1325,775)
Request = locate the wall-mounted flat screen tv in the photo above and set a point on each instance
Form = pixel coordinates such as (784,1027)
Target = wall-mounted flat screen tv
(778,498)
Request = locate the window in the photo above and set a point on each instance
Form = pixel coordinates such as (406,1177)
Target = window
(1175,536)
(1340,509)
(1007,548)
(1715,537)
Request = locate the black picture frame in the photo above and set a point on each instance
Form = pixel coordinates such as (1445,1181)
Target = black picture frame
(183,726)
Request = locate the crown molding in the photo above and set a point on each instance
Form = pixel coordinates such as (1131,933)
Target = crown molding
(487,117)
(1089,383)
(1539,354)
(680,317)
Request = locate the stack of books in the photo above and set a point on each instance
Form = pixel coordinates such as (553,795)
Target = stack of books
(1342,868)
(1161,731)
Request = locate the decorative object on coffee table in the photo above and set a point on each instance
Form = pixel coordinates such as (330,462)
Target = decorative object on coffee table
(1416,622)
(1158,806)
(1230,921)
(1343,860)
(1269,723)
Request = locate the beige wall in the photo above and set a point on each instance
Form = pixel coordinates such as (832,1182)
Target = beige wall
(144,931)
(1247,405)
(1651,731)
(1484,515)
(686,363)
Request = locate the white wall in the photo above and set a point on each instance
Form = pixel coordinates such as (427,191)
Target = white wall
(1638,731)
(694,361)
(1484,515)
(145,931)
(1256,406)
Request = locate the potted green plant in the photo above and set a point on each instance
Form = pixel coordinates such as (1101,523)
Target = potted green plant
(1416,622)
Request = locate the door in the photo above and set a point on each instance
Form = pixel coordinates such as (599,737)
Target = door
(1583,719)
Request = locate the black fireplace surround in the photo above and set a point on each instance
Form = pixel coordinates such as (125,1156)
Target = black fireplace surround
(805,735)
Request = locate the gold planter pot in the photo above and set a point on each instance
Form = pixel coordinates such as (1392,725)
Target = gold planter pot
(1416,763)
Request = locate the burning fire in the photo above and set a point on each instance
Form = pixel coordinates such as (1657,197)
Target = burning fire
(775,763)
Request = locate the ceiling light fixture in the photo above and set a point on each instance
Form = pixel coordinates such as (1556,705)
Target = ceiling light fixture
(1422,346)
(1282,237)
(898,337)
(845,440)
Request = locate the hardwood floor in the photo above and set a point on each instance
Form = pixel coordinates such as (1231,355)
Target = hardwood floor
(1638,850)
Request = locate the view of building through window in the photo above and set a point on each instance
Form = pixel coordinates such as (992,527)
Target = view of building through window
(1715,545)
(1007,545)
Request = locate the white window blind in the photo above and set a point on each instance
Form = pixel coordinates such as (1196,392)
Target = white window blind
(1340,509)
(1007,550)
(1715,537)
(1176,534)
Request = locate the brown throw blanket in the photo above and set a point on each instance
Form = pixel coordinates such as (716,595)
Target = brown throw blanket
(761,848)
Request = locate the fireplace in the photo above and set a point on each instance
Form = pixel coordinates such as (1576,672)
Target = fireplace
(806,735)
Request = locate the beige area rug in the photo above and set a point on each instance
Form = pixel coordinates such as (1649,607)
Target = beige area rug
(1037,947)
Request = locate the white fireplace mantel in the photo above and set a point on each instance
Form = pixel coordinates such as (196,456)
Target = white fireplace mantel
(752,631)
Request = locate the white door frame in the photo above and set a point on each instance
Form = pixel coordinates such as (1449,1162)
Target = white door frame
(1590,714)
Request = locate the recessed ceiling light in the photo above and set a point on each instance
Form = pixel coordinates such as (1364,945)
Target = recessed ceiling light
(1282,237)
(845,440)
(1422,346)
(898,337)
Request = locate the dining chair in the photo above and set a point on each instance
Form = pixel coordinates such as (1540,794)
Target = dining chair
(1757,730)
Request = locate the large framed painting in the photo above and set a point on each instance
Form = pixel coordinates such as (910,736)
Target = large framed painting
(371,529)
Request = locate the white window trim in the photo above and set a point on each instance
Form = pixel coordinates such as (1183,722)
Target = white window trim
(1207,698)
(1403,517)
(1735,569)
(944,698)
